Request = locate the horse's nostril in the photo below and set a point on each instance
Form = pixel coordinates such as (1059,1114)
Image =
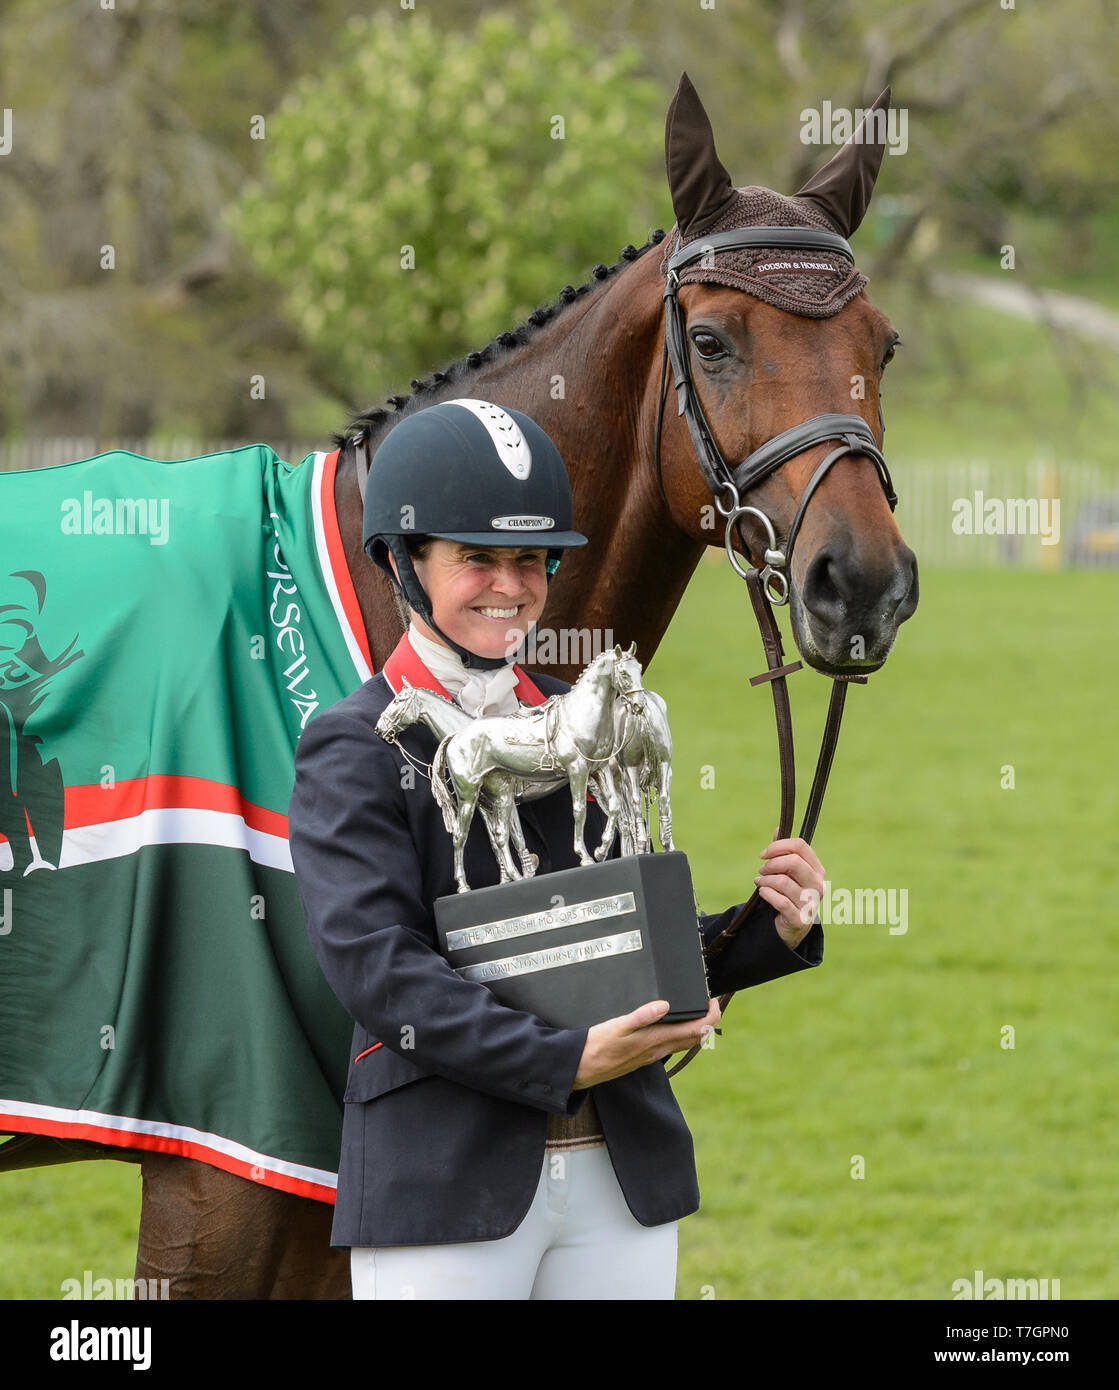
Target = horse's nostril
(827,588)
(908,605)
(841,597)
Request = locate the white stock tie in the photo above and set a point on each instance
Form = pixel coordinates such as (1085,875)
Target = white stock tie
(478,692)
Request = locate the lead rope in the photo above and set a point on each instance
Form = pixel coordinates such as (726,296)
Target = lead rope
(776,676)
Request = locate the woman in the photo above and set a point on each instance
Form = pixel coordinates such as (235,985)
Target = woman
(486,1154)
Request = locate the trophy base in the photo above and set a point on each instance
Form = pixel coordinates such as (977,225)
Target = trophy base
(582,945)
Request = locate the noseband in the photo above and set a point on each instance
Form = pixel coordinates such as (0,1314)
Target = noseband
(728,485)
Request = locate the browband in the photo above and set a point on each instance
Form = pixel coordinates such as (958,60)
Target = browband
(742,238)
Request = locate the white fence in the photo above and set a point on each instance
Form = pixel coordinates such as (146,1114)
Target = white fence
(1036,515)
(967,514)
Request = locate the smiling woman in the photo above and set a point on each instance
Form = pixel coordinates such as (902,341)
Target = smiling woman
(474,1160)
(486,600)
(476,500)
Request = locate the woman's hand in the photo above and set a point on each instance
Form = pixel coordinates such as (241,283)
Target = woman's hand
(791,880)
(623,1044)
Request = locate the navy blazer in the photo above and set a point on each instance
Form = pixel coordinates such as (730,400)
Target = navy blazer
(449,1091)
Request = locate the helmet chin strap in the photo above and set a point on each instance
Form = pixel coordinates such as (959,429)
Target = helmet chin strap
(419,601)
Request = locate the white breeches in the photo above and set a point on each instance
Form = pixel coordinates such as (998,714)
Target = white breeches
(578,1240)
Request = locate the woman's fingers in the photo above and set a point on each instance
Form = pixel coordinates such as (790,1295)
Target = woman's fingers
(791,879)
(801,903)
(796,850)
(681,1037)
(794,867)
(620,1045)
(668,1037)
(787,911)
(643,1016)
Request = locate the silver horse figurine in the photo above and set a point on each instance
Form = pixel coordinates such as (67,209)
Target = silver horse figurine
(416,704)
(443,717)
(644,771)
(571,735)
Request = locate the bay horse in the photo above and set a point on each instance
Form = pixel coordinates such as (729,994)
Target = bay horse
(590,369)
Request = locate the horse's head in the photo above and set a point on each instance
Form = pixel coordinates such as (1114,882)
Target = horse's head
(614,667)
(779,389)
(625,674)
(401,712)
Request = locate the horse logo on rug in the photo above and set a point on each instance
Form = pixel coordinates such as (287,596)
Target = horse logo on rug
(31,791)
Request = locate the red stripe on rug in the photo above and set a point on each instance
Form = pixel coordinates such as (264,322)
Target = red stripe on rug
(338,566)
(97,805)
(158,1143)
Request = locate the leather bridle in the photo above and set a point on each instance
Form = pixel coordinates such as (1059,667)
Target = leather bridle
(728,485)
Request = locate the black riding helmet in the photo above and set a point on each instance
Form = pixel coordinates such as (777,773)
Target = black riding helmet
(468,471)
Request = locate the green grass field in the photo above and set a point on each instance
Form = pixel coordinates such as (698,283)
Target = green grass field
(976,1155)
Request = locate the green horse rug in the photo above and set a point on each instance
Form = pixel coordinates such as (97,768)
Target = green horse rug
(166,632)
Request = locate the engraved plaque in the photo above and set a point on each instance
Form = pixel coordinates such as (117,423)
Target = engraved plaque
(551,918)
(553,957)
(583,945)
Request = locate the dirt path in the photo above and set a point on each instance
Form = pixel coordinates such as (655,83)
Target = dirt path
(1067,312)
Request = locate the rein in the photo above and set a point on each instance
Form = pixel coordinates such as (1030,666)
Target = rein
(854,437)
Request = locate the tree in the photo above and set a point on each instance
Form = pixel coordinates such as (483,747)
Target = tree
(427,190)
(129,132)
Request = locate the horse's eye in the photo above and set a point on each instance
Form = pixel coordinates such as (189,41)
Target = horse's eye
(707,345)
(889,354)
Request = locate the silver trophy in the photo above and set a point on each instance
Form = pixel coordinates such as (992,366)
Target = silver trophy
(591,942)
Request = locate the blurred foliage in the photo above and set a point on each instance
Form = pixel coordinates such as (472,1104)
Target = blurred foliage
(494,159)
(131,127)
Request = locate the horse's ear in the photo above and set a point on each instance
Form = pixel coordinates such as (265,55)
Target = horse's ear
(843,187)
(632,648)
(700,186)
(617,649)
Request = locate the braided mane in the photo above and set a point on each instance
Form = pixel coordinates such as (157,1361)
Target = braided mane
(365,423)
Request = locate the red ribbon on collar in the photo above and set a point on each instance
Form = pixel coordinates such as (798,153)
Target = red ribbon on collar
(406,661)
